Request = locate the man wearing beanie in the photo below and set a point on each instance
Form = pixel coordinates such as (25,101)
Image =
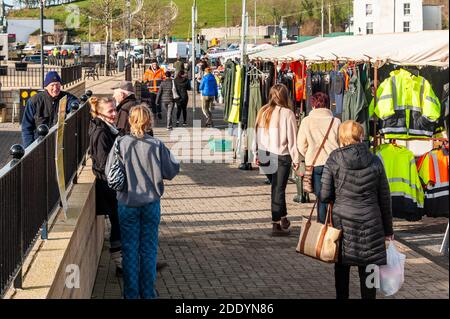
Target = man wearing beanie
(43,107)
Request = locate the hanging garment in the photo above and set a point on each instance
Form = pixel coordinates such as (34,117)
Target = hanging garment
(255,104)
(228,87)
(269,70)
(407,105)
(299,70)
(234,112)
(433,170)
(355,104)
(309,91)
(406,189)
(245,90)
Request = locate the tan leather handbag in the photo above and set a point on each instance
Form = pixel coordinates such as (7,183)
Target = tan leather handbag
(308,185)
(320,241)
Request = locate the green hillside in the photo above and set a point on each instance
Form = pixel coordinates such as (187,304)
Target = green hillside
(211,13)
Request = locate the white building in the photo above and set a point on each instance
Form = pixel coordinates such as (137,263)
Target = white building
(22,28)
(387,16)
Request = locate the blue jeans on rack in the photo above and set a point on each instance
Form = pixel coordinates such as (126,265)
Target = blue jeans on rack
(139,230)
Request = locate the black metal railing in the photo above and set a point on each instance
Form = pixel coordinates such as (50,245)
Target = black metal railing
(27,76)
(29,192)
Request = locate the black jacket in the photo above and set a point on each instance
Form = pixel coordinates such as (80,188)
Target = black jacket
(165,94)
(182,85)
(355,180)
(123,112)
(101,141)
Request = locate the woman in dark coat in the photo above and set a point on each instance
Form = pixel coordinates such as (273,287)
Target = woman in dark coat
(355,180)
(102,134)
(183,85)
(165,98)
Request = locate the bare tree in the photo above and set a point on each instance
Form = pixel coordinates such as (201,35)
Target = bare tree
(145,20)
(102,13)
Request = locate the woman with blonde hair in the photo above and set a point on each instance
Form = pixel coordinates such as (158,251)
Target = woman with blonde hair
(355,181)
(147,162)
(275,149)
(102,134)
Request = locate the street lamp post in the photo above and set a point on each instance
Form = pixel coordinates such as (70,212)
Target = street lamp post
(129,27)
(193,55)
(41,7)
(255,23)
(243,37)
(226,24)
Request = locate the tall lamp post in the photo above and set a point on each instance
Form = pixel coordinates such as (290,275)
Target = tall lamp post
(41,7)
(255,23)
(243,36)
(193,55)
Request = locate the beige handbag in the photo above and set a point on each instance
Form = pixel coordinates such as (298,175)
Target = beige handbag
(308,185)
(319,241)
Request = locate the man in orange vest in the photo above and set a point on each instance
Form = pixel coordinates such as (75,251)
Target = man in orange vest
(153,78)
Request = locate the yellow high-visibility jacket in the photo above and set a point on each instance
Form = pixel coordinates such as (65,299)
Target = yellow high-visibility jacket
(407,106)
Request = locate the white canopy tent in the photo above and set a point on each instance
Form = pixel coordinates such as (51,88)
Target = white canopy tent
(237,53)
(414,48)
(284,50)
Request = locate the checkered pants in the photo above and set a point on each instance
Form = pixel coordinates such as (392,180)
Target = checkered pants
(139,230)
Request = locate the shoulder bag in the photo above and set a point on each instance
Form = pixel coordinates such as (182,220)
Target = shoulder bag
(116,176)
(308,185)
(319,241)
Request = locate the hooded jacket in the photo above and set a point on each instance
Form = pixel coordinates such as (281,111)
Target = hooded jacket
(355,180)
(123,112)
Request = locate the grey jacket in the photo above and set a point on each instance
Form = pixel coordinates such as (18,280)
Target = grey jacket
(147,163)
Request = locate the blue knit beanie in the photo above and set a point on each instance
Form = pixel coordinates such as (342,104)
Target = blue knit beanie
(51,77)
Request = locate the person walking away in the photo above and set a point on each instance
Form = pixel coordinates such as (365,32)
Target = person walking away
(147,162)
(102,134)
(179,66)
(43,107)
(354,180)
(153,78)
(182,85)
(209,91)
(275,150)
(125,100)
(165,98)
(311,135)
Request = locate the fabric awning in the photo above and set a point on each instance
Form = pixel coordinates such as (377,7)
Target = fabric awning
(277,52)
(412,48)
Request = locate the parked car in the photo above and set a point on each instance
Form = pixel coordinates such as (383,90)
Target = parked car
(33,59)
(30,48)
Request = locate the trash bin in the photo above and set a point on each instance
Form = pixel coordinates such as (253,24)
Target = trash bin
(120,63)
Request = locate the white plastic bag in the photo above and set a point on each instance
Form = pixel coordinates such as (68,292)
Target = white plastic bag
(392,275)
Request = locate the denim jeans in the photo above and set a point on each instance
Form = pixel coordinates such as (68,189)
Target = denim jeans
(139,230)
(317,184)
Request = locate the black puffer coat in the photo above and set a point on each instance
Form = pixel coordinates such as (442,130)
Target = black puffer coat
(165,94)
(355,180)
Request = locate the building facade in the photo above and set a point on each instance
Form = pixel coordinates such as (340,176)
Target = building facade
(387,16)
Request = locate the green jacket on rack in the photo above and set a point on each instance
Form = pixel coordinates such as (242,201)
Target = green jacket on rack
(407,106)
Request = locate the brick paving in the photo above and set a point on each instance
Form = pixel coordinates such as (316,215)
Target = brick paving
(215,236)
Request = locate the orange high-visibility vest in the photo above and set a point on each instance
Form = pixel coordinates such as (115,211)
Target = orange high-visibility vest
(155,78)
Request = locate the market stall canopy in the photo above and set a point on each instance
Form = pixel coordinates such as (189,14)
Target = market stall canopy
(412,48)
(237,53)
(277,52)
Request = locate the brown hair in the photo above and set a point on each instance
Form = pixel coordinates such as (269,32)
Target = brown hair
(350,132)
(98,103)
(319,100)
(140,120)
(278,96)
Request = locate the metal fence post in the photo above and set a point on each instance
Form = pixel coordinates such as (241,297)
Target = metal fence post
(42,131)
(17,151)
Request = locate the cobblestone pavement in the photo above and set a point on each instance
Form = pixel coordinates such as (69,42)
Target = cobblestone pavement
(215,236)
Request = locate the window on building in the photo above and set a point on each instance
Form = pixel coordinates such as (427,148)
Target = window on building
(369,28)
(406,9)
(368,9)
(406,26)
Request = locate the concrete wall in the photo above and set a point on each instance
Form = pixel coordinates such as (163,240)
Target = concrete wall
(22,28)
(432,17)
(75,243)
(383,16)
(9,96)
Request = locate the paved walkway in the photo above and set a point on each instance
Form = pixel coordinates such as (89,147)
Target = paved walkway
(215,236)
(9,135)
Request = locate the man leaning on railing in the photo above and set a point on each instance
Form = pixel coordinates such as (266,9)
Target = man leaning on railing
(43,107)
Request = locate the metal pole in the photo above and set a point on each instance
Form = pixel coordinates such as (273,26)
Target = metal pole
(321,14)
(349,6)
(329,17)
(226,24)
(394,14)
(89,38)
(243,40)
(129,26)
(255,23)
(193,44)
(41,7)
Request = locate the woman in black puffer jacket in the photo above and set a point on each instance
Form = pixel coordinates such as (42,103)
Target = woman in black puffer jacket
(355,180)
